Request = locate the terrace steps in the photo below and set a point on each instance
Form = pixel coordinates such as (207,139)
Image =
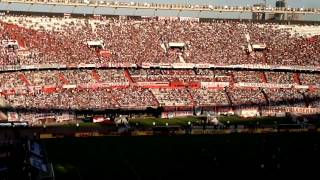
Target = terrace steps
(96,76)
(263,77)
(233,79)
(228,96)
(158,104)
(191,97)
(296,78)
(128,76)
(24,79)
(265,96)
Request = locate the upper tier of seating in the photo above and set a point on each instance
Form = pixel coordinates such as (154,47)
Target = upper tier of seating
(44,40)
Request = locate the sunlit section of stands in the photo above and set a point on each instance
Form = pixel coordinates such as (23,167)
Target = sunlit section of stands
(158,6)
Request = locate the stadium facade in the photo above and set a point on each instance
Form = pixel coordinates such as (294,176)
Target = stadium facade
(152,9)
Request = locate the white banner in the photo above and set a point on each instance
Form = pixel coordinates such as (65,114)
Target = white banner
(165,65)
(82,65)
(153,84)
(301,86)
(214,84)
(183,65)
(146,65)
(69,86)
(28,67)
(189,19)
(202,66)
(299,110)
(171,18)
(263,85)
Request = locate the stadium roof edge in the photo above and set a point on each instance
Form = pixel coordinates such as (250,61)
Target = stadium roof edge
(158,6)
(91,15)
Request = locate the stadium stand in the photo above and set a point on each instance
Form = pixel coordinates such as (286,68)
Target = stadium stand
(246,97)
(279,77)
(63,40)
(207,97)
(248,76)
(285,97)
(310,79)
(137,63)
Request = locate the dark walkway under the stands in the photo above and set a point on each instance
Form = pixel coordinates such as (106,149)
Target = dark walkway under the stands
(186,157)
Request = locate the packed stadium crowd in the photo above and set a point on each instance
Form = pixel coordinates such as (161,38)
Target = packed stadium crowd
(313,96)
(241,96)
(286,97)
(280,77)
(248,76)
(60,40)
(92,76)
(65,99)
(44,40)
(207,97)
(82,88)
(311,79)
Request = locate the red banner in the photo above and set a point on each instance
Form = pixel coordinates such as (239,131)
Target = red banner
(105,53)
(49,89)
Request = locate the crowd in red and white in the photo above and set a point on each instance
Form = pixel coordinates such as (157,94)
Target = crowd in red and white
(210,97)
(248,76)
(61,40)
(133,95)
(285,97)
(310,79)
(45,40)
(173,97)
(80,99)
(246,96)
(313,98)
(280,77)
